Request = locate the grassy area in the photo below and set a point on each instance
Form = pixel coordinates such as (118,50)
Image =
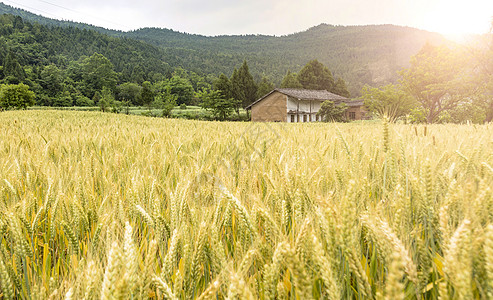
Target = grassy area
(98,205)
(190,112)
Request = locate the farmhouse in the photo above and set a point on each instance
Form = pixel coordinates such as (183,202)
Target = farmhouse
(299,105)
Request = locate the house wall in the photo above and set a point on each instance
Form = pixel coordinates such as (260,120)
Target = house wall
(359,112)
(271,109)
(303,106)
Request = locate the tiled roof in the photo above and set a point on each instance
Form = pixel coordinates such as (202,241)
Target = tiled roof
(302,94)
(354,103)
(311,94)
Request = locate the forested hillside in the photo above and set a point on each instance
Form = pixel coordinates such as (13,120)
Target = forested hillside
(36,45)
(359,54)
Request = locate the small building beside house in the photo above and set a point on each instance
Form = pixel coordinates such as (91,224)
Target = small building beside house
(299,106)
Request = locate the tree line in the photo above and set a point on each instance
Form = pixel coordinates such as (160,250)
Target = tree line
(442,85)
(359,54)
(54,65)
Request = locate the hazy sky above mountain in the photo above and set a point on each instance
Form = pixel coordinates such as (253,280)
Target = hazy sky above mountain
(273,17)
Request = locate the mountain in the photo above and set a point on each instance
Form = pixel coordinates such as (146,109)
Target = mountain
(359,54)
(29,16)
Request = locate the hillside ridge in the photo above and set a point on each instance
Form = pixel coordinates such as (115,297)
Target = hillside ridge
(360,54)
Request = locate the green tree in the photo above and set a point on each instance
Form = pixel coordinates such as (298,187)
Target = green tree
(16,96)
(147,94)
(98,73)
(237,92)
(265,86)
(331,112)
(107,99)
(63,99)
(129,91)
(51,80)
(243,86)
(438,80)
(81,100)
(165,101)
(215,102)
(316,76)
(389,101)
(291,81)
(223,84)
(182,88)
(340,88)
(12,67)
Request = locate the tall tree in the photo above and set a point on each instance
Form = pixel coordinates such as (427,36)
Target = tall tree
(291,81)
(183,89)
(98,73)
(237,91)
(243,85)
(316,76)
(438,80)
(223,84)
(224,87)
(340,88)
(165,101)
(264,87)
(389,101)
(13,68)
(51,80)
(147,94)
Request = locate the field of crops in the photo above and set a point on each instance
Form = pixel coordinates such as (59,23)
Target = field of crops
(112,206)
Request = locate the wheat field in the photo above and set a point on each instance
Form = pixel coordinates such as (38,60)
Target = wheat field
(105,206)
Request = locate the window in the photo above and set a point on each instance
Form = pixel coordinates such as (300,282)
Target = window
(292,119)
(352,115)
(305,118)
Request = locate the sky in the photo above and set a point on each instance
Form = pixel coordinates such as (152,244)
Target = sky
(271,17)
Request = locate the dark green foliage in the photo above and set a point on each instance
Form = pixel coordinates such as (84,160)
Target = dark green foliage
(291,81)
(220,106)
(15,96)
(340,88)
(316,76)
(129,91)
(359,54)
(147,94)
(223,84)
(243,86)
(63,99)
(37,45)
(51,79)
(166,101)
(12,67)
(81,100)
(331,112)
(182,88)
(98,73)
(265,86)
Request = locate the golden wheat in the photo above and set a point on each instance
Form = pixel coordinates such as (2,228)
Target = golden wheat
(107,206)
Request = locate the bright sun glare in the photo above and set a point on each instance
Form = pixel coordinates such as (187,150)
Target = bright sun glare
(458,17)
